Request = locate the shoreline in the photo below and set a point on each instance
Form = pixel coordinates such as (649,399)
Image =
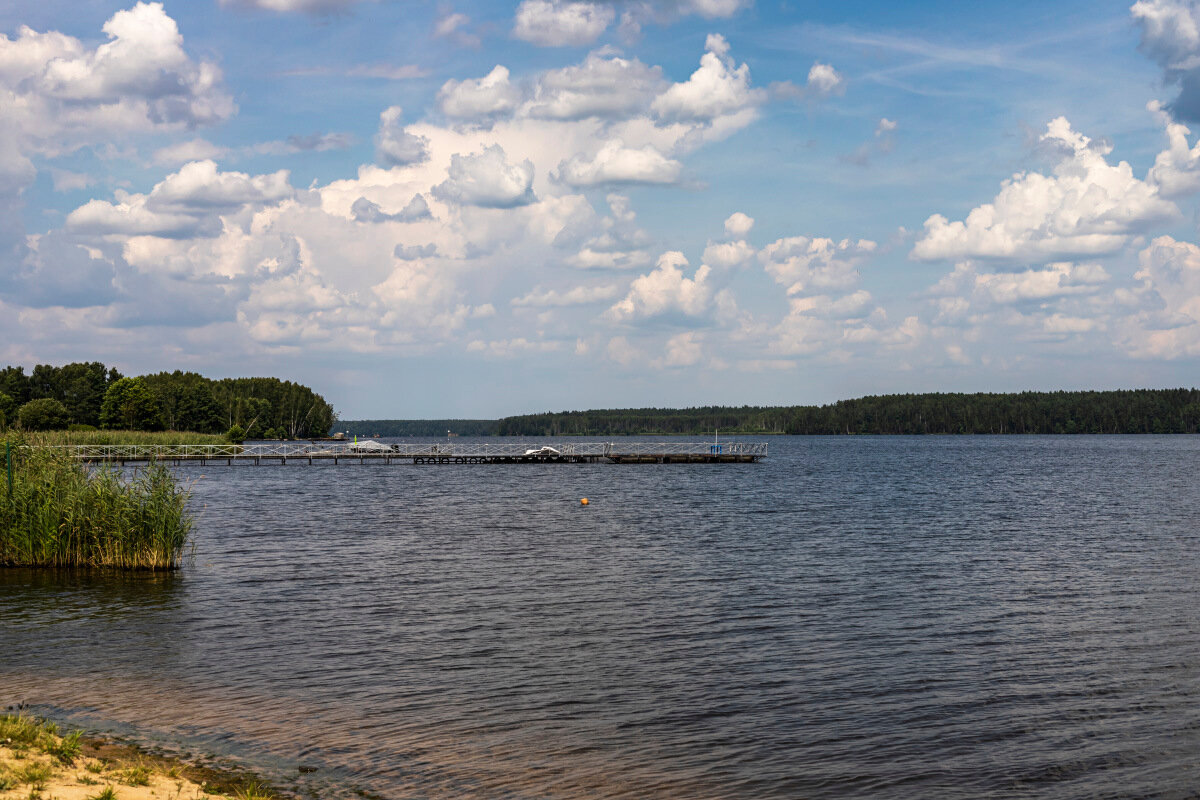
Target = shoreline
(38,760)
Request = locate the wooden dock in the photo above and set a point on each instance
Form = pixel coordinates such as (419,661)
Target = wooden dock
(371,452)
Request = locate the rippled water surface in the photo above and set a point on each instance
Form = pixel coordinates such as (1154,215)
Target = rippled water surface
(855,617)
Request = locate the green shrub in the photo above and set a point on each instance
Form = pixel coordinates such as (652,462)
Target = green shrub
(236,434)
(60,513)
(129,404)
(43,414)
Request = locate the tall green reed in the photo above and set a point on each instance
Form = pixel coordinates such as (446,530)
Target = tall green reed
(62,513)
(122,437)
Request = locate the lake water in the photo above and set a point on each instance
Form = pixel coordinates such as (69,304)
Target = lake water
(856,617)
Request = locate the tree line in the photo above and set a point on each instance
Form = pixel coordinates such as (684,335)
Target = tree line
(91,395)
(419,427)
(1123,411)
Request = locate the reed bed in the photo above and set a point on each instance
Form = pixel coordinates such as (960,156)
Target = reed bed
(46,438)
(60,513)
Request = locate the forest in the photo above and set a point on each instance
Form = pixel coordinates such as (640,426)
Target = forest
(418,427)
(1122,411)
(91,395)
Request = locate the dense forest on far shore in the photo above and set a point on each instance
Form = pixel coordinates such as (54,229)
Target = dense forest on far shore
(1124,411)
(91,395)
(418,427)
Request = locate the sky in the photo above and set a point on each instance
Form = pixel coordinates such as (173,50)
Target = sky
(469,209)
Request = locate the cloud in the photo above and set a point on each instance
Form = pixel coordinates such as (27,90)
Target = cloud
(58,271)
(1170,327)
(200,186)
(885,126)
(289,6)
(714,90)
(388,72)
(1035,285)
(363,210)
(488,180)
(605,86)
(57,95)
(452,25)
(508,348)
(396,147)
(560,23)
(823,81)
(64,94)
(414,252)
(1176,170)
(617,164)
(67,181)
(1087,207)
(314,142)
(726,255)
(184,204)
(684,350)
(489,97)
(812,265)
(665,291)
(1171,37)
(576,296)
(738,224)
(664,12)
(191,150)
(621,244)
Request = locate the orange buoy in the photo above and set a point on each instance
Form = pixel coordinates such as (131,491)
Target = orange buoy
(583,501)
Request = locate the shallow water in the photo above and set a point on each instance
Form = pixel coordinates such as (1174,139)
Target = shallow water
(855,617)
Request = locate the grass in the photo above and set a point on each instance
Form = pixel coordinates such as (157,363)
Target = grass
(66,749)
(253,791)
(123,437)
(138,775)
(35,774)
(19,729)
(62,514)
(32,757)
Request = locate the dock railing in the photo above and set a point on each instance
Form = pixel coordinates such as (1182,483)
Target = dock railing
(321,450)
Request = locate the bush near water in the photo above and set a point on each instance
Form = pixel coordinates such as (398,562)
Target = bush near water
(60,513)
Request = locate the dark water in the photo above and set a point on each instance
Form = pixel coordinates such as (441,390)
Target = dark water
(855,617)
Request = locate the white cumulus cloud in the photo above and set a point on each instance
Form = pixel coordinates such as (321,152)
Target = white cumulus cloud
(716,89)
(395,146)
(1086,207)
(811,265)
(606,86)
(487,179)
(666,291)
(560,23)
(615,164)
(488,97)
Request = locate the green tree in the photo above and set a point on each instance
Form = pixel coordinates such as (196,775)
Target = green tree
(8,406)
(129,405)
(15,383)
(43,414)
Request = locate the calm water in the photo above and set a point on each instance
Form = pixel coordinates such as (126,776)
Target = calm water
(855,617)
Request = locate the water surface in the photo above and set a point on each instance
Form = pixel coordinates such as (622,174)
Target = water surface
(898,617)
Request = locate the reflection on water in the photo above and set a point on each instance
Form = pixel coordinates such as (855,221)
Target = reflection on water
(888,617)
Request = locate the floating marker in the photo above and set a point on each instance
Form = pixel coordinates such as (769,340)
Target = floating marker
(583,501)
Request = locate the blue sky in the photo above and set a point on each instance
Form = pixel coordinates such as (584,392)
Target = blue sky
(429,209)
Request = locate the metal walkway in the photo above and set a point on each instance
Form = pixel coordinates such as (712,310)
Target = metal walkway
(438,453)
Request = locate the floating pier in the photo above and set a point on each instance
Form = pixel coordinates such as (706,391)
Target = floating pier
(379,453)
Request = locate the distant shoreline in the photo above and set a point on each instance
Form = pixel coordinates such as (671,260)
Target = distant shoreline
(1130,411)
